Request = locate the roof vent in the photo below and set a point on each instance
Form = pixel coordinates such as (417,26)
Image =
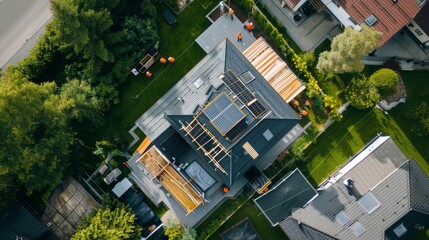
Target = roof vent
(181,99)
(371,20)
(350,185)
(394,1)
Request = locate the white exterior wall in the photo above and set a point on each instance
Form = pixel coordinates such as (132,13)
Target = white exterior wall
(340,14)
(418,32)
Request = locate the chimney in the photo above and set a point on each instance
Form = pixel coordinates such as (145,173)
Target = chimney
(349,183)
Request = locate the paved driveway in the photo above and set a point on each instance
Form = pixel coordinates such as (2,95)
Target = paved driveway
(19,21)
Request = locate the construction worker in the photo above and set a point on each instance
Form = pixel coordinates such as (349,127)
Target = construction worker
(171,59)
(249,26)
(162,60)
(231,13)
(148,74)
(239,37)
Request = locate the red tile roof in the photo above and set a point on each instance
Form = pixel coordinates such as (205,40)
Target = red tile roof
(391,17)
(291,3)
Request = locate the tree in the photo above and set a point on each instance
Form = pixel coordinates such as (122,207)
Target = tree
(421,114)
(83,28)
(362,94)
(109,224)
(384,79)
(140,35)
(189,234)
(172,230)
(34,135)
(347,49)
(80,101)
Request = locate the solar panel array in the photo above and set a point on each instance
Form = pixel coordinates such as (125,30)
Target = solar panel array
(223,113)
(242,92)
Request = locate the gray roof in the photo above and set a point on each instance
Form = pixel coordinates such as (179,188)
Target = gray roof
(397,192)
(184,101)
(292,192)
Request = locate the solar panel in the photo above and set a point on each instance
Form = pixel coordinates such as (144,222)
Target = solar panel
(256,108)
(236,130)
(223,113)
(237,87)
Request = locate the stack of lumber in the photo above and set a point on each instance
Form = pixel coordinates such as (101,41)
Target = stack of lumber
(274,69)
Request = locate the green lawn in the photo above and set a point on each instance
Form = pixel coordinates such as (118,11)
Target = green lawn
(260,223)
(417,86)
(344,139)
(177,41)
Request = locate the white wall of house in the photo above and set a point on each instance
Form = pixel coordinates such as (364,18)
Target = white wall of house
(340,14)
(418,32)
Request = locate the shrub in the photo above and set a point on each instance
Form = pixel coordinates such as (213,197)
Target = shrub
(384,79)
(362,94)
(392,64)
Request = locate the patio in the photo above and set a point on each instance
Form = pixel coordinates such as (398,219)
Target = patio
(223,28)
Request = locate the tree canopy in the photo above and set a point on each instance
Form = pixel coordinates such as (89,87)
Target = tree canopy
(347,50)
(109,224)
(362,94)
(34,139)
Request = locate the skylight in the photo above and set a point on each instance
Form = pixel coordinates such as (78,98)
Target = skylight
(198,83)
(371,20)
(342,218)
(400,230)
(357,229)
(267,135)
(247,77)
(369,202)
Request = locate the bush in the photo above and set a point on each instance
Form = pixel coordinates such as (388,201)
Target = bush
(392,64)
(362,94)
(421,114)
(384,79)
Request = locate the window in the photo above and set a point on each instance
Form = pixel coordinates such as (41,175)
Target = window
(198,83)
(370,20)
(400,230)
(342,218)
(267,135)
(418,32)
(357,229)
(369,202)
(247,77)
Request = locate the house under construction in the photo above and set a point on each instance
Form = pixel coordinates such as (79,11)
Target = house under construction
(220,126)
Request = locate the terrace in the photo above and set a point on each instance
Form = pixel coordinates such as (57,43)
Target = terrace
(175,183)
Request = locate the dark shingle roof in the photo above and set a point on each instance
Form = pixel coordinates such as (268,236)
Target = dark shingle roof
(292,192)
(279,117)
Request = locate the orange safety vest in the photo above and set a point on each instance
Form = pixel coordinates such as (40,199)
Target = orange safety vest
(239,36)
(171,59)
(162,60)
(149,74)
(249,26)
(231,11)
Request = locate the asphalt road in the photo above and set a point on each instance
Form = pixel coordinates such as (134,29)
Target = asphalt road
(19,21)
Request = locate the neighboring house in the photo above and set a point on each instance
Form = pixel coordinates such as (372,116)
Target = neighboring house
(419,27)
(16,222)
(386,16)
(212,133)
(378,194)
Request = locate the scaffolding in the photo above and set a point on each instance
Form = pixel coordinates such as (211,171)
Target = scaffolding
(171,179)
(207,142)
